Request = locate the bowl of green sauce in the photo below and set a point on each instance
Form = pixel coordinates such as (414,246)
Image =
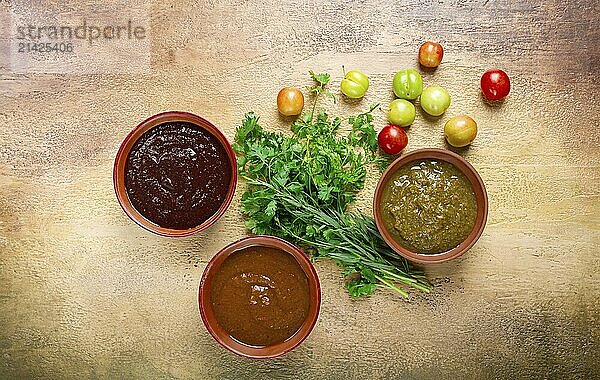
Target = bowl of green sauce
(430,205)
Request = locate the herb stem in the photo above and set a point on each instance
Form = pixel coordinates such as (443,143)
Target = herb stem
(392,286)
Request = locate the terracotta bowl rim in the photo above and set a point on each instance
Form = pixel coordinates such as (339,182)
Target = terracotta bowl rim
(266,352)
(123,153)
(480,196)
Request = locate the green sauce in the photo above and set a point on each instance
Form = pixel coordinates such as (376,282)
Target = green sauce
(428,206)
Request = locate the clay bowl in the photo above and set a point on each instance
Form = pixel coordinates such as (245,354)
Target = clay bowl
(222,336)
(123,154)
(480,198)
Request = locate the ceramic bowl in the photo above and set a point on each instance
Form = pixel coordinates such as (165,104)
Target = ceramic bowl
(222,336)
(480,198)
(123,154)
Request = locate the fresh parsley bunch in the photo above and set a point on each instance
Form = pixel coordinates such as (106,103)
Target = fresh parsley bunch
(300,188)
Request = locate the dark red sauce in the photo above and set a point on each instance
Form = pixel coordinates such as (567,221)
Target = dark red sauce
(177,175)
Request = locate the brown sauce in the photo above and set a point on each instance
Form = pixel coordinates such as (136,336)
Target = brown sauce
(260,296)
(177,175)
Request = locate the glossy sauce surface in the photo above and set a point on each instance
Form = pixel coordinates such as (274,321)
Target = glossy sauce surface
(260,295)
(428,206)
(177,175)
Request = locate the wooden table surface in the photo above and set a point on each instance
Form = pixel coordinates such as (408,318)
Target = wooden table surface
(86,293)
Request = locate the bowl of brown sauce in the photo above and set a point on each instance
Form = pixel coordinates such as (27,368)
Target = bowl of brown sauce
(175,174)
(259,297)
(430,205)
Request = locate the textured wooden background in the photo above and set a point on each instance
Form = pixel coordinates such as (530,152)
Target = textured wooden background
(86,293)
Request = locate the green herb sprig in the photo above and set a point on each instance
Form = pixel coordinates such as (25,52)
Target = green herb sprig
(321,80)
(300,188)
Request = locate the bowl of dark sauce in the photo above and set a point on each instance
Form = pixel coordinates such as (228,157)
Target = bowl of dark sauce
(259,297)
(175,174)
(430,205)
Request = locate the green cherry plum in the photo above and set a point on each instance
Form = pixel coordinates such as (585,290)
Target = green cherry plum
(460,131)
(435,100)
(401,112)
(355,84)
(408,84)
